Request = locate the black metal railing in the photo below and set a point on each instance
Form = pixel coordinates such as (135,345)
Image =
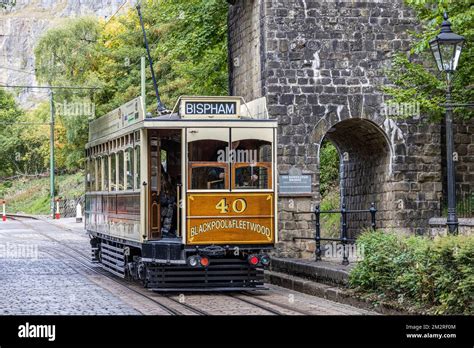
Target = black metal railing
(344,239)
(464,205)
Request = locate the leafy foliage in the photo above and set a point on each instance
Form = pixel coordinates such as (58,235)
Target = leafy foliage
(329,188)
(328,167)
(9,141)
(31,195)
(415,76)
(188,44)
(331,223)
(437,275)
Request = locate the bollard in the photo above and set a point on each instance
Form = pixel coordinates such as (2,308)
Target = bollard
(78,213)
(4,214)
(57,209)
(372,215)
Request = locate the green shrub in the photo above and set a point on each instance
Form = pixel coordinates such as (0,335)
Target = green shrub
(328,167)
(437,275)
(330,223)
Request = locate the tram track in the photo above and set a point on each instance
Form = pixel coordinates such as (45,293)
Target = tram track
(281,305)
(265,308)
(124,283)
(257,302)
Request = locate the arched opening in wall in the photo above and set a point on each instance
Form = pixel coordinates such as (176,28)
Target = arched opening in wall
(364,170)
(329,188)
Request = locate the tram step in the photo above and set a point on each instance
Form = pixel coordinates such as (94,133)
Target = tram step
(112,259)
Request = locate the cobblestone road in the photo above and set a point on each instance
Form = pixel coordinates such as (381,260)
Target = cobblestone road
(40,275)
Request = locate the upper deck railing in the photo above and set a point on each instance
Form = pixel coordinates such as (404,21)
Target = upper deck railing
(187,107)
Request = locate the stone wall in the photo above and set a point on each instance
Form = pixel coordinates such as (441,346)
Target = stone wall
(464,146)
(244,46)
(438,227)
(321,68)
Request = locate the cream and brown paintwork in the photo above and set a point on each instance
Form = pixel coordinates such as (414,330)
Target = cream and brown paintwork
(254,225)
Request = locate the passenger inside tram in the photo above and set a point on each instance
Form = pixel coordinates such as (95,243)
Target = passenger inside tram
(170,156)
(168,205)
(215,177)
(246,177)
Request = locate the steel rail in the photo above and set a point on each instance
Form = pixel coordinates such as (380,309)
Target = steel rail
(125,283)
(287,307)
(102,272)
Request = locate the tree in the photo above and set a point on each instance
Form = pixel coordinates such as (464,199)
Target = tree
(415,76)
(9,115)
(188,43)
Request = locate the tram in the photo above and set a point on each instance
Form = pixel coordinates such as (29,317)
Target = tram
(183,201)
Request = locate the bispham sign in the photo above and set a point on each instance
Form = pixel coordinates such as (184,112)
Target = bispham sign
(230,218)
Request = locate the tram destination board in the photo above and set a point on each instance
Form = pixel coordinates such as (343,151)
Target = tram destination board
(295,184)
(210,108)
(218,218)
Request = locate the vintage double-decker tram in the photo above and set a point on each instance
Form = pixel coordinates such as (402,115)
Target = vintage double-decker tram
(185,200)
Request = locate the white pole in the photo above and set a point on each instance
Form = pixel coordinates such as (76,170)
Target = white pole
(78,213)
(57,209)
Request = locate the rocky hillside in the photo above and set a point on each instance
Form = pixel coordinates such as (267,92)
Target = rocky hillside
(23,24)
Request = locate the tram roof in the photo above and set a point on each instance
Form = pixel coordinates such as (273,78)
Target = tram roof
(131,117)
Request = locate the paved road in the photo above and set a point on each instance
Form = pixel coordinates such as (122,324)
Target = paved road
(40,275)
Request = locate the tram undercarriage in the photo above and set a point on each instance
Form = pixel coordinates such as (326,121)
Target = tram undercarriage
(163,266)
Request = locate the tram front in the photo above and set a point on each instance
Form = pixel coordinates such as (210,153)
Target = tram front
(218,164)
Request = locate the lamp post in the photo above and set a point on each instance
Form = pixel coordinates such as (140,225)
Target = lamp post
(446,48)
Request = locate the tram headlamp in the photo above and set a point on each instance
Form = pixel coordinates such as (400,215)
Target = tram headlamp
(265,260)
(193,261)
(204,261)
(253,260)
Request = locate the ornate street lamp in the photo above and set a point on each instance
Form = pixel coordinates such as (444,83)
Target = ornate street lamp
(446,49)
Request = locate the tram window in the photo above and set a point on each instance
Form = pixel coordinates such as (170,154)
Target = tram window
(121,169)
(99,174)
(88,175)
(137,171)
(251,158)
(105,159)
(130,169)
(113,172)
(208,167)
(93,174)
(251,177)
(164,159)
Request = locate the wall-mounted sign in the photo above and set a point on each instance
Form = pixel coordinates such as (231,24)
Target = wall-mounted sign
(124,116)
(210,107)
(295,184)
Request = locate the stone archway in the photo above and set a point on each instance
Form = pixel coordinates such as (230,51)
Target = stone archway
(365,157)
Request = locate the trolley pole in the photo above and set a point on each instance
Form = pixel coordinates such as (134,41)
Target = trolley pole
(143,82)
(51,153)
(160,107)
